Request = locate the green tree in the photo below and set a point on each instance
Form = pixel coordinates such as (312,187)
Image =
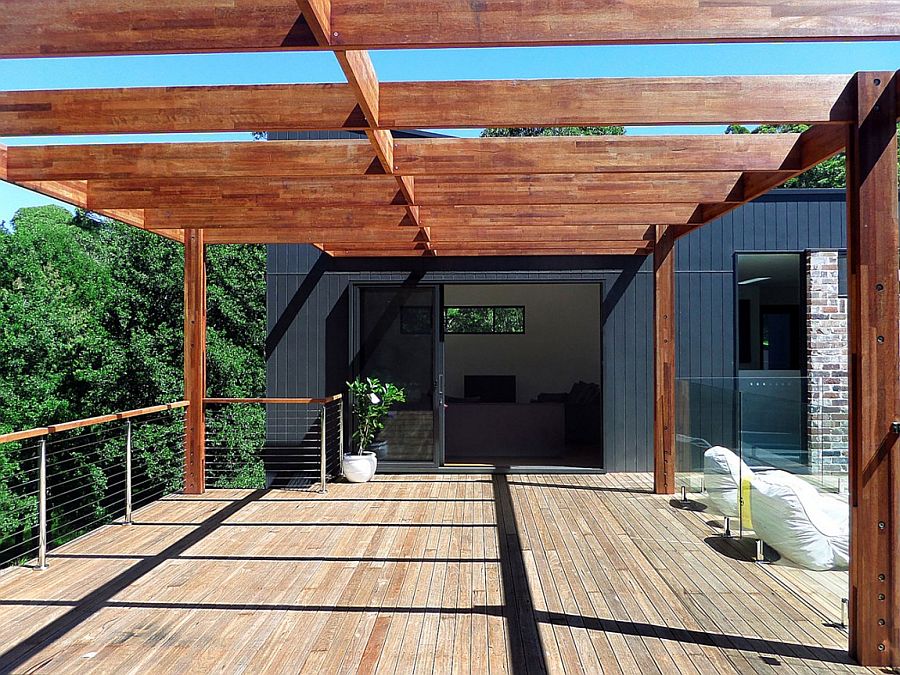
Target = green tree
(832,173)
(91,322)
(508,132)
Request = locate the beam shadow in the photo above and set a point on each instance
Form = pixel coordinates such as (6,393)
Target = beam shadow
(275,558)
(526,652)
(724,641)
(14,656)
(592,488)
(303,524)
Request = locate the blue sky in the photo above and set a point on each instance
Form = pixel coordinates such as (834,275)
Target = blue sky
(612,61)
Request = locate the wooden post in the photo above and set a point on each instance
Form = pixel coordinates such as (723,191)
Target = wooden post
(664,361)
(874,312)
(194,361)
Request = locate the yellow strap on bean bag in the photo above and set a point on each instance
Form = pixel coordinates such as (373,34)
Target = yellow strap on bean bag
(746,520)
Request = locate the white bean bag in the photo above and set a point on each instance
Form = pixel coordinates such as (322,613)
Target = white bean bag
(723,472)
(808,527)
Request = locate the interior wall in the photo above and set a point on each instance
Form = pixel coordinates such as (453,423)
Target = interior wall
(560,346)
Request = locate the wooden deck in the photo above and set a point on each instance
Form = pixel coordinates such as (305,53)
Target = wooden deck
(464,573)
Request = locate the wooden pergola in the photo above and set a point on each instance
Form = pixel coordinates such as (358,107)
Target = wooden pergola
(382,196)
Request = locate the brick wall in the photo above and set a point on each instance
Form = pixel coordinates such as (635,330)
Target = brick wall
(826,324)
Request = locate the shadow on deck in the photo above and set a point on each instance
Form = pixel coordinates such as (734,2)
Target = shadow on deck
(516,574)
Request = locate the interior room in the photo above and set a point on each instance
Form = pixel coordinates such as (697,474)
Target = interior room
(522,365)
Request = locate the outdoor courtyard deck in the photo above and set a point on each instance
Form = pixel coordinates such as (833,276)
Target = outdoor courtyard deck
(461,573)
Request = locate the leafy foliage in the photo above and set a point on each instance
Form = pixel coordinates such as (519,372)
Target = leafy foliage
(91,322)
(832,173)
(509,132)
(371,403)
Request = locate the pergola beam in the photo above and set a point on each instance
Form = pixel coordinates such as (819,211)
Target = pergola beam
(363,104)
(595,154)
(434,191)
(427,156)
(34,28)
(528,216)
(814,145)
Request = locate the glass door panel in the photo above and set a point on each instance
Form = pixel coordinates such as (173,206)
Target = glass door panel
(396,343)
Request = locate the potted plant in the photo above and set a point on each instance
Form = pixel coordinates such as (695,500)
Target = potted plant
(371,400)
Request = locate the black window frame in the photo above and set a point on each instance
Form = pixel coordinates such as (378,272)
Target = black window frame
(494,330)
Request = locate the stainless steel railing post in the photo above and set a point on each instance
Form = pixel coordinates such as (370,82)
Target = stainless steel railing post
(341,433)
(42,509)
(322,458)
(128,473)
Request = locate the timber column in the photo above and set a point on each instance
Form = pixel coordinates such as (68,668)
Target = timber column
(874,311)
(194,361)
(664,360)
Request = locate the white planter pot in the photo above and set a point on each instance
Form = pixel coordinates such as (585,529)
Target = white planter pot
(360,468)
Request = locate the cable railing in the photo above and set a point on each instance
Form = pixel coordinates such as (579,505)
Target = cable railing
(62,481)
(274,442)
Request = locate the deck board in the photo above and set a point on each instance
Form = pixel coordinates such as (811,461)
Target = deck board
(444,573)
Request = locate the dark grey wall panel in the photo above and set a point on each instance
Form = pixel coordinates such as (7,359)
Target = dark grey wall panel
(309,305)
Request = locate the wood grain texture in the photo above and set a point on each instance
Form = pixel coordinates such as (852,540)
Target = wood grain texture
(501,156)
(572,188)
(615,101)
(364,103)
(274,107)
(460,23)
(379,217)
(191,160)
(595,154)
(195,360)
(420,574)
(874,344)
(76,27)
(815,145)
(244,192)
(664,361)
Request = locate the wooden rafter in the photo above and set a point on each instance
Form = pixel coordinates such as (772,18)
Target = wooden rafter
(813,146)
(415,157)
(362,80)
(49,28)
(479,216)
(366,104)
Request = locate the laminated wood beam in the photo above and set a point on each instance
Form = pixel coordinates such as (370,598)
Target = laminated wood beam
(245,192)
(433,191)
(616,101)
(521,250)
(361,77)
(436,216)
(815,145)
(191,160)
(571,188)
(595,154)
(431,156)
(874,342)
(363,103)
(33,28)
(460,23)
(620,236)
(272,107)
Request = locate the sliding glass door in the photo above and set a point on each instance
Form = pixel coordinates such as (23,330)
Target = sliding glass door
(396,341)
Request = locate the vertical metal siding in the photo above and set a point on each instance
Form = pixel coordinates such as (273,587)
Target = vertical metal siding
(313,354)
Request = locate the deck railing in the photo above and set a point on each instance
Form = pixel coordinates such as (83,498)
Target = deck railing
(274,442)
(62,481)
